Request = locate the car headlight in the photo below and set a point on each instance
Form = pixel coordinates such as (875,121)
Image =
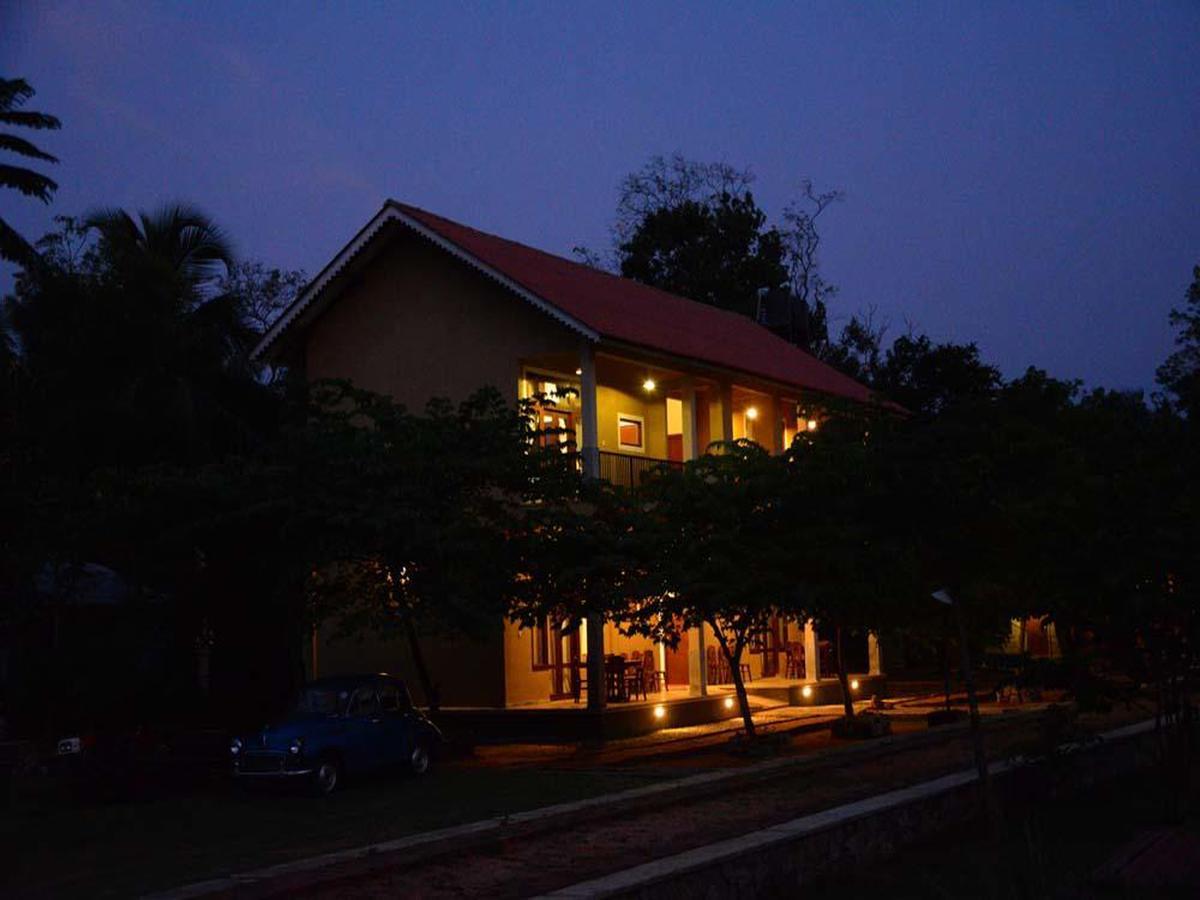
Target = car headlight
(296,746)
(235,746)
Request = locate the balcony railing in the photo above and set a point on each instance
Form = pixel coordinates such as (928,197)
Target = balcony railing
(628,470)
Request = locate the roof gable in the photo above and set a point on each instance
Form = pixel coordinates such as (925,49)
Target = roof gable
(599,305)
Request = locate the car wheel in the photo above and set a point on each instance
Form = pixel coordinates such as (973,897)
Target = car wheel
(418,760)
(327,776)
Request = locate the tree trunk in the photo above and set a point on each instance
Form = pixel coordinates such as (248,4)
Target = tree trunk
(843,678)
(734,658)
(428,686)
(946,669)
(597,688)
(991,809)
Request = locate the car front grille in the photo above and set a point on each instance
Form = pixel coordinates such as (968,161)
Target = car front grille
(263,762)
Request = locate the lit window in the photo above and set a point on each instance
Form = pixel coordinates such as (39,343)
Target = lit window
(629,432)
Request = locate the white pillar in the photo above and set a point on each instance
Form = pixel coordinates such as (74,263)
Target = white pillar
(812,668)
(697,663)
(697,656)
(874,654)
(690,450)
(590,454)
(590,451)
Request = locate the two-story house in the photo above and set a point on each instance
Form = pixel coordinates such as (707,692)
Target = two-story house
(417,306)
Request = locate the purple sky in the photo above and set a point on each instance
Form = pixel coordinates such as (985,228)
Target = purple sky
(1027,177)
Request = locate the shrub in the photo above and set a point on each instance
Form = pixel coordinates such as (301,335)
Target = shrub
(945,717)
(864,725)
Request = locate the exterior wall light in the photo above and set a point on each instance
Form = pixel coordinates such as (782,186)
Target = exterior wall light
(807,691)
(648,385)
(660,711)
(812,424)
(751,413)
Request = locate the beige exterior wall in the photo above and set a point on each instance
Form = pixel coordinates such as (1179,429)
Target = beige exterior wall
(417,323)
(466,671)
(522,683)
(611,403)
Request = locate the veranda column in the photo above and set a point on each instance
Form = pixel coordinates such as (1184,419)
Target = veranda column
(812,668)
(697,658)
(590,454)
(726,411)
(874,654)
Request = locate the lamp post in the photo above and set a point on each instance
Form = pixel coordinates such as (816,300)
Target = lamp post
(981,765)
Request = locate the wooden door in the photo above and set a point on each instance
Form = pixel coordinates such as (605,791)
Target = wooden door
(675,447)
(557,427)
(677,662)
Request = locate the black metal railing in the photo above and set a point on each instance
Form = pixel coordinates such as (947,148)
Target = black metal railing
(629,470)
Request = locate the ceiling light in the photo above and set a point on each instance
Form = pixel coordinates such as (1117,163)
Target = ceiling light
(752,413)
(812,424)
(648,385)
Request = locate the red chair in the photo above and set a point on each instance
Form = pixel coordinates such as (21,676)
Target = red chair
(795,660)
(653,679)
(718,667)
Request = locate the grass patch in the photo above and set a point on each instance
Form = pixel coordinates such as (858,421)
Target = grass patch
(130,848)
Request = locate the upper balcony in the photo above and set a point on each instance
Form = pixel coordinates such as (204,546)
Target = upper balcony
(627,415)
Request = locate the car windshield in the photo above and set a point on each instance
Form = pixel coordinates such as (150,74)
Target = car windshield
(322,700)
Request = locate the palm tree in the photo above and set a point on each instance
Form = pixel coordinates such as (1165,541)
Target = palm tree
(176,238)
(13,94)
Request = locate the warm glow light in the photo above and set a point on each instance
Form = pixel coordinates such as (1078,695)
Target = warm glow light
(752,413)
(579,371)
(806,691)
(854,684)
(660,711)
(648,385)
(812,424)
(729,703)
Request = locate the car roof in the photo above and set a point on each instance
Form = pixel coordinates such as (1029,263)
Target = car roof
(347,682)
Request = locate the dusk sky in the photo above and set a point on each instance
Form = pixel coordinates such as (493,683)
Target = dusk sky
(1026,176)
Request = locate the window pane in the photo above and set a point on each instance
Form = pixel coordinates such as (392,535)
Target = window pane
(630,432)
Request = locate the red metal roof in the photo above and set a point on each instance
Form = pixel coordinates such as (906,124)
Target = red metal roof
(624,310)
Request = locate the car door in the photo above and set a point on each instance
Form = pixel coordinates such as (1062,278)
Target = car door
(365,740)
(395,708)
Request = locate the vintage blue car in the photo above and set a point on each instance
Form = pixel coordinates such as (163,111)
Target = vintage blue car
(352,724)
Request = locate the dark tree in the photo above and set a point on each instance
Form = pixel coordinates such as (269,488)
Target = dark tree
(694,229)
(929,378)
(1180,373)
(717,552)
(13,94)
(717,251)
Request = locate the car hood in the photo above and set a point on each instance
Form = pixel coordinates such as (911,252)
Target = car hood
(278,735)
